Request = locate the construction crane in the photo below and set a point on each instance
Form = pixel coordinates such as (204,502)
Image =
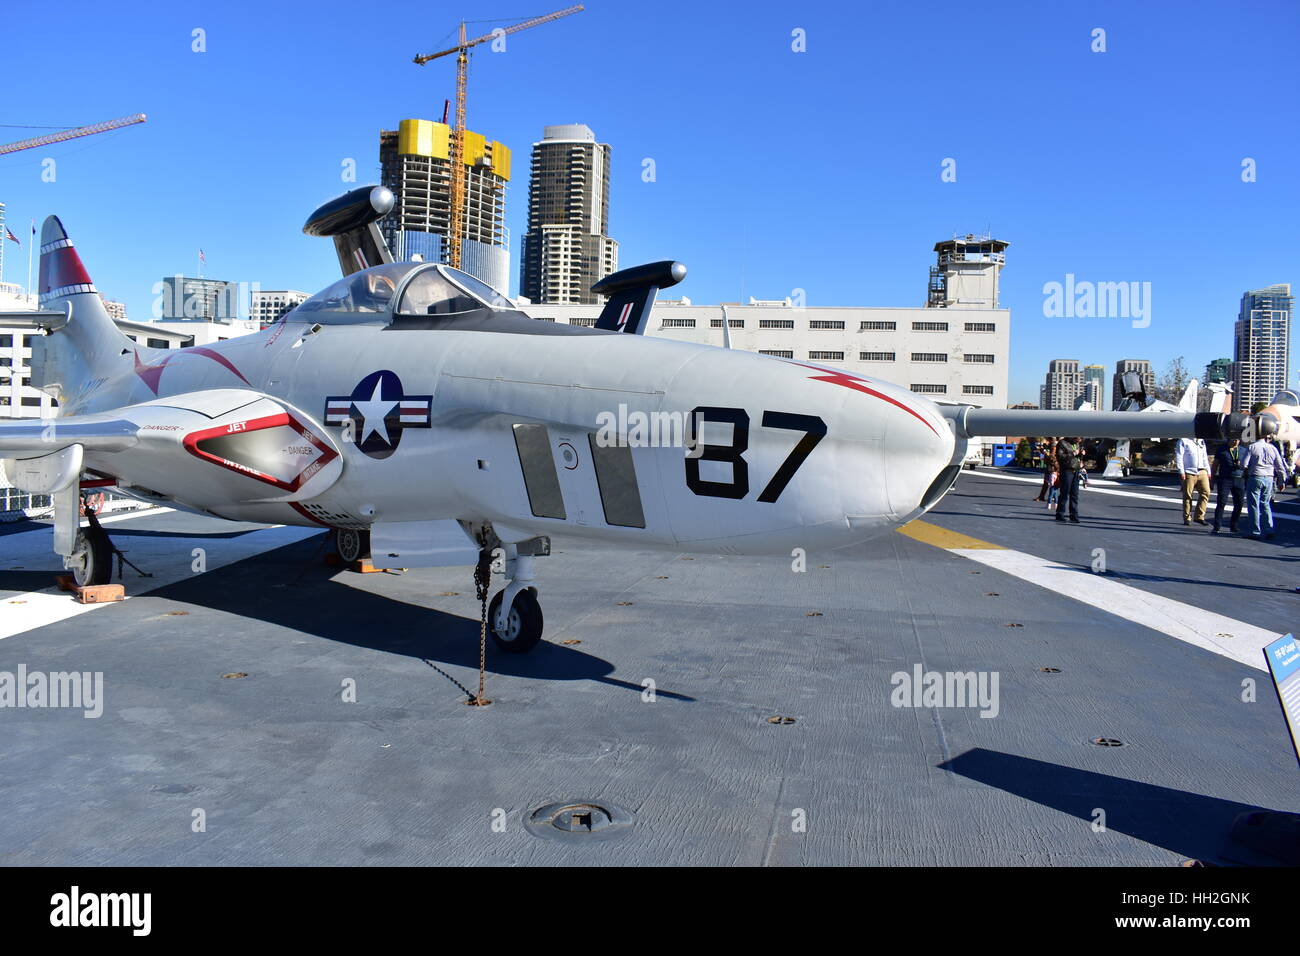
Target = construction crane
(73,133)
(458,131)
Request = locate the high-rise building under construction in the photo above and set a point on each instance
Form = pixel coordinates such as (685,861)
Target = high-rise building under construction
(415,161)
(567,248)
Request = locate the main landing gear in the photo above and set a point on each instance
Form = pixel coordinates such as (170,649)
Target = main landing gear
(351,544)
(91,561)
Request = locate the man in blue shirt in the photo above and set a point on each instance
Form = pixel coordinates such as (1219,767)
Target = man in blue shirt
(1263,462)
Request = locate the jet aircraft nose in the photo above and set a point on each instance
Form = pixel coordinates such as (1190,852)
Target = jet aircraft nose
(903,441)
(920,449)
(796,454)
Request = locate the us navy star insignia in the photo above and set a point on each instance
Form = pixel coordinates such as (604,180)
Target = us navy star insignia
(379,411)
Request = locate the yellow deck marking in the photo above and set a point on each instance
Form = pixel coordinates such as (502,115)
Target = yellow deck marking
(928,533)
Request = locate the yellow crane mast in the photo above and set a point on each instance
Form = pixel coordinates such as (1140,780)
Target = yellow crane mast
(458,131)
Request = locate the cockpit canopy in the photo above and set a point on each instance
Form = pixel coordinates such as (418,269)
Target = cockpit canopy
(402,289)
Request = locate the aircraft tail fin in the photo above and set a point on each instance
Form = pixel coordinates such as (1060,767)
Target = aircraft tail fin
(87,343)
(632,294)
(1220,396)
(1188,402)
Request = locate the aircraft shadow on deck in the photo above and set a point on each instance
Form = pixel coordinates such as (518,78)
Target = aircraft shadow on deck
(20,526)
(22,580)
(308,600)
(1191,825)
(116,533)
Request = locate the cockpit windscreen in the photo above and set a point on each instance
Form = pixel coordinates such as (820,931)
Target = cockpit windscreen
(405,290)
(371,290)
(441,290)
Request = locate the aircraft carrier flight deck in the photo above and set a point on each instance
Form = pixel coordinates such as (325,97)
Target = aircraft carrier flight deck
(702,709)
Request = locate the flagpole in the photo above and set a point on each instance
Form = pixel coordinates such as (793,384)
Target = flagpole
(31,241)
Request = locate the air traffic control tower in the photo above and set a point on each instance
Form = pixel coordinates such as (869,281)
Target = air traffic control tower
(966,274)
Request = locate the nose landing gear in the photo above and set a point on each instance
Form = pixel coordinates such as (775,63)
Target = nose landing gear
(519,629)
(515,616)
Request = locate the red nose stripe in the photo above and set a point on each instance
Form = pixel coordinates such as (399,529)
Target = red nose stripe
(860,385)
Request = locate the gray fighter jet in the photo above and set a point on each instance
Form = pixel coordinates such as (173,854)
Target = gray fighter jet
(415,412)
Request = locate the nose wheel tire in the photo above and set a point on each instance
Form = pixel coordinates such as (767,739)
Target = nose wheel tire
(352,545)
(523,628)
(91,561)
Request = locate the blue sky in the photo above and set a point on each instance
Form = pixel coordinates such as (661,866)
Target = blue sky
(775,170)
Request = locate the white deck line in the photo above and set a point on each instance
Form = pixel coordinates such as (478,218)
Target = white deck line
(1233,639)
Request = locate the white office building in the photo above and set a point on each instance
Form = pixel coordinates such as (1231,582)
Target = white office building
(955,349)
(266,306)
(17,398)
(957,355)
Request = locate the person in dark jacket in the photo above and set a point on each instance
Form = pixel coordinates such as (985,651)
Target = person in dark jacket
(1229,479)
(1069,454)
(1049,468)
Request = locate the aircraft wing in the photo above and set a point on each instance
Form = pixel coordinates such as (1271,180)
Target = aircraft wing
(205,448)
(36,437)
(31,319)
(46,321)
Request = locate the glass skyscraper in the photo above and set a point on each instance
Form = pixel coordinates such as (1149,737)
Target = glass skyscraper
(1262,337)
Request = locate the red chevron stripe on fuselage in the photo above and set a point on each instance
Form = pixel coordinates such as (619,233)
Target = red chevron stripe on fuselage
(152,374)
(861,385)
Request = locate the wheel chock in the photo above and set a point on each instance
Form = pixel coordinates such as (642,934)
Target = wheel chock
(363,566)
(95,594)
(100,594)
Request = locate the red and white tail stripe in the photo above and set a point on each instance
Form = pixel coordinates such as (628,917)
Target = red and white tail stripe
(61,270)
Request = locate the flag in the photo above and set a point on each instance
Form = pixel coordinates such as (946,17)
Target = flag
(9,234)
(202,257)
